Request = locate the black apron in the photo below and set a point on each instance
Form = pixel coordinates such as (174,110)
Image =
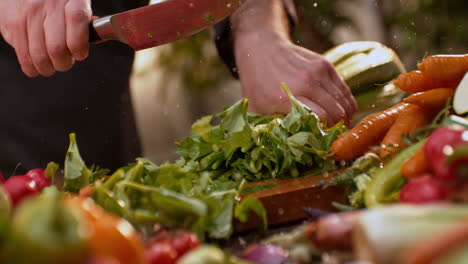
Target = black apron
(92,100)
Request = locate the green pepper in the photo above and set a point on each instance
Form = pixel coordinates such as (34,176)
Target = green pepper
(44,231)
(388,178)
(5,210)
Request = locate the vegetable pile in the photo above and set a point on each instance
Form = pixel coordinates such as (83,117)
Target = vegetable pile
(172,207)
(254,147)
(415,150)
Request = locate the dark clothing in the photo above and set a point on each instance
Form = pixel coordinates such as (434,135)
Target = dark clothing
(92,100)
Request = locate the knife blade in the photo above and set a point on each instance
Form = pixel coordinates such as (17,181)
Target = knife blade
(162,22)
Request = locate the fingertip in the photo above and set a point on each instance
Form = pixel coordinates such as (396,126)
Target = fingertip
(30,72)
(48,73)
(80,55)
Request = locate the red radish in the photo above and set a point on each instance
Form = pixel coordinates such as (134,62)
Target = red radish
(439,146)
(20,187)
(2,178)
(185,242)
(424,189)
(39,177)
(161,252)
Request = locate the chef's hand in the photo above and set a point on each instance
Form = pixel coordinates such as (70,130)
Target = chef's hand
(47,35)
(264,60)
(266,56)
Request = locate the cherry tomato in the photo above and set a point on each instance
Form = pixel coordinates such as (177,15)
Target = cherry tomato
(185,242)
(161,252)
(424,189)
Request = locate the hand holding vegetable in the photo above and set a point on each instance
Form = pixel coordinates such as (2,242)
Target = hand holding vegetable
(47,35)
(266,57)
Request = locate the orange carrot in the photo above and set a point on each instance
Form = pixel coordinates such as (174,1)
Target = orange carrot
(444,67)
(434,99)
(415,166)
(366,134)
(410,119)
(416,81)
(436,249)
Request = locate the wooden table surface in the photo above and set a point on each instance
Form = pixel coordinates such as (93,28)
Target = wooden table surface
(285,203)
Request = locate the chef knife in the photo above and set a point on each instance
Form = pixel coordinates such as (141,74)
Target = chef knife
(161,22)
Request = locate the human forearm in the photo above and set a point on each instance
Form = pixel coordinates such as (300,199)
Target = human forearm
(260,16)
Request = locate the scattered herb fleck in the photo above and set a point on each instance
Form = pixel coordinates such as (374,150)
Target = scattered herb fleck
(209,17)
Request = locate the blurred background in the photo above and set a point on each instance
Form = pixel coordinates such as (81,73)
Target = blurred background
(175,84)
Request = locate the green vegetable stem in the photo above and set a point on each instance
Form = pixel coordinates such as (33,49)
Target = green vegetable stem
(388,180)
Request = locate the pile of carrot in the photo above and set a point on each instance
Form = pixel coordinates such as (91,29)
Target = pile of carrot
(432,85)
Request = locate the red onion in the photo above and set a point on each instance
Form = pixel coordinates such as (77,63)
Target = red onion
(265,254)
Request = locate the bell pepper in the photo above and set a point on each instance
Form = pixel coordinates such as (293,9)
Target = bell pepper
(111,237)
(44,231)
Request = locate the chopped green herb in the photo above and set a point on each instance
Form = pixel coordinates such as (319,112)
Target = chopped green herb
(209,17)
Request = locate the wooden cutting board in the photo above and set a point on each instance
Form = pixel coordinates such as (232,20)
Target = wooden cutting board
(286,201)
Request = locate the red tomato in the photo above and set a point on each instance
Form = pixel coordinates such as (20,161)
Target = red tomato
(2,178)
(39,177)
(185,242)
(20,187)
(424,189)
(439,146)
(161,252)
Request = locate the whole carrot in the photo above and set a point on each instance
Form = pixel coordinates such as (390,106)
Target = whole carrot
(410,119)
(366,134)
(416,81)
(437,249)
(434,99)
(444,67)
(415,166)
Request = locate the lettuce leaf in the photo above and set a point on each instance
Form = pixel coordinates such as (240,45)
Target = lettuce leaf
(254,147)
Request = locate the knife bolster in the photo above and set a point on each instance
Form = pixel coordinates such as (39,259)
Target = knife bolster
(103,28)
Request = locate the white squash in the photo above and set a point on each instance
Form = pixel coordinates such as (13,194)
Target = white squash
(460,101)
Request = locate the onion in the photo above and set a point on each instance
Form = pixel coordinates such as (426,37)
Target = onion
(265,254)
(315,213)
